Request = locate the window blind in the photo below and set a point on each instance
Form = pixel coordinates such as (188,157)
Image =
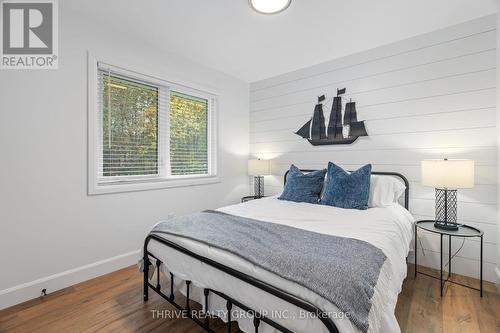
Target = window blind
(131,114)
(189,144)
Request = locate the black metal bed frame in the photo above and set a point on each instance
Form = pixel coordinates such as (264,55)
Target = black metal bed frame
(148,259)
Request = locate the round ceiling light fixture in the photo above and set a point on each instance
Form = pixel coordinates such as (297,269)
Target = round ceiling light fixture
(269,6)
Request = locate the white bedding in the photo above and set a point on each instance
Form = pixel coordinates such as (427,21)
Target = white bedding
(388,228)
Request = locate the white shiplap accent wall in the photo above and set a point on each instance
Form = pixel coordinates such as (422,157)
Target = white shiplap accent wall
(431,96)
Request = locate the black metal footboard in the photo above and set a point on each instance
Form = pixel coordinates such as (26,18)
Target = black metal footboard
(205,324)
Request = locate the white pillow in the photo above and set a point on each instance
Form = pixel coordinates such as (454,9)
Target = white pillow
(384,191)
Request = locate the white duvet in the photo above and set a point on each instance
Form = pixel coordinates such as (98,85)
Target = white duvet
(388,228)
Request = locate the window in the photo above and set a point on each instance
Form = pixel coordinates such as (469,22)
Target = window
(148,133)
(188,135)
(129,128)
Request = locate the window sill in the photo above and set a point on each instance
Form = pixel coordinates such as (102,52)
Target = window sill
(133,186)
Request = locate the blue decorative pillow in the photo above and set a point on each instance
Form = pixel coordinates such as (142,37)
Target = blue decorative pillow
(300,187)
(347,190)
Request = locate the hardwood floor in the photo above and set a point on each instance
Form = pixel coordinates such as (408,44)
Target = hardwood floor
(420,308)
(114,303)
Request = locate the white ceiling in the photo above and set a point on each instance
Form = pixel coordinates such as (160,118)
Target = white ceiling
(228,36)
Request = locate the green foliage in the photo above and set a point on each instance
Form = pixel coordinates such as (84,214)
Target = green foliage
(130,130)
(188,134)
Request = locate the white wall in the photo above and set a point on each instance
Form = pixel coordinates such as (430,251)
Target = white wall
(431,96)
(50,229)
(498,150)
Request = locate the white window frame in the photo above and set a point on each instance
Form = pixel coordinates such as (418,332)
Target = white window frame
(97,185)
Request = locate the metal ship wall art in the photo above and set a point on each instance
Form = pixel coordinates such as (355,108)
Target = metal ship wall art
(339,131)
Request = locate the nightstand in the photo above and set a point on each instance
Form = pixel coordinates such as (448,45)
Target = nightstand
(250,197)
(463,231)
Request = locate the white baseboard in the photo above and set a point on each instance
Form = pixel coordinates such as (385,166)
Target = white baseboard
(497,270)
(26,291)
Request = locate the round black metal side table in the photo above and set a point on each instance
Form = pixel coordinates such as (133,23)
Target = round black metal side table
(463,231)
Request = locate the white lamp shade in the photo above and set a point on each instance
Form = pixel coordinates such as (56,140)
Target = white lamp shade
(450,174)
(259,167)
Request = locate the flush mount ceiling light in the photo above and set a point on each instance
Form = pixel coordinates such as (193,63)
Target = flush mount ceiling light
(269,6)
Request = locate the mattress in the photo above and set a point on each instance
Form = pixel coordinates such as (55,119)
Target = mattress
(388,228)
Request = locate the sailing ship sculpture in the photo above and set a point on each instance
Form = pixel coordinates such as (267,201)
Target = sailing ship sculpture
(338,132)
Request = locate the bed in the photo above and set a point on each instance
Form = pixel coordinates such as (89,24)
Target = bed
(235,289)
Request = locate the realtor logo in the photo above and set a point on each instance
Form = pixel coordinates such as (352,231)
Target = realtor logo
(29,34)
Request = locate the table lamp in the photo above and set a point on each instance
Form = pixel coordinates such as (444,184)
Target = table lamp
(446,176)
(259,168)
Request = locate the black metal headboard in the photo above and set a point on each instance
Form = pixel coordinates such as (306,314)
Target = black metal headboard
(394,174)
